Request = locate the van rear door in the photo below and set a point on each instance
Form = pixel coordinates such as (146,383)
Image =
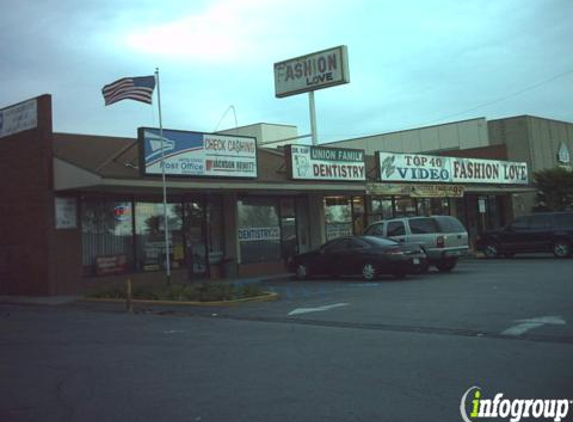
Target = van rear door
(453,231)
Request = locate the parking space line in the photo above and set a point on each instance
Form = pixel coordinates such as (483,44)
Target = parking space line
(300,311)
(529,324)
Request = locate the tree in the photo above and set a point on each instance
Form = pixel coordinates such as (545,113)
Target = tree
(554,189)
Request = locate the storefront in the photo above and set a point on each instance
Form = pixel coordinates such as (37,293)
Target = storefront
(218,226)
(122,234)
(231,208)
(476,191)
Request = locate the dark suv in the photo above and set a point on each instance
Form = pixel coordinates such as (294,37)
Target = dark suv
(540,232)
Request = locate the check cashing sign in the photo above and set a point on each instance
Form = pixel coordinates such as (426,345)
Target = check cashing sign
(198,154)
(319,163)
(433,169)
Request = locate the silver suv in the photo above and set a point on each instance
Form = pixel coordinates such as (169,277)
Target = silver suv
(444,238)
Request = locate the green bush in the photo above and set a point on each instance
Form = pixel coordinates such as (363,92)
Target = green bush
(212,292)
(251,290)
(204,292)
(108,294)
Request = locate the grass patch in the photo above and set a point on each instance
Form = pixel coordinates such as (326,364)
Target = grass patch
(203,292)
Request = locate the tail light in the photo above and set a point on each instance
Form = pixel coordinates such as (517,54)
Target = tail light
(441,242)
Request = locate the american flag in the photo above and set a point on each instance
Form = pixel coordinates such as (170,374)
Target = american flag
(138,89)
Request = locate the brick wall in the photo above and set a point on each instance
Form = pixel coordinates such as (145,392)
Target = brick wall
(26,207)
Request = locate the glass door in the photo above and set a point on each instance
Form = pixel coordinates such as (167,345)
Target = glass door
(302,228)
(289,243)
(195,238)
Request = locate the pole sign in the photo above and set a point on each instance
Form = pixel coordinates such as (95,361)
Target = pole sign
(306,162)
(197,154)
(314,71)
(434,169)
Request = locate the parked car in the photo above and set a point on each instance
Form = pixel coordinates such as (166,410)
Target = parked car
(444,238)
(369,256)
(540,232)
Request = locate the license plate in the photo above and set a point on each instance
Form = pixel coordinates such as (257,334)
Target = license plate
(416,261)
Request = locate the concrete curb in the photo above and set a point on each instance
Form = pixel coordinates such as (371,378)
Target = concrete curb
(263,279)
(38,300)
(267,297)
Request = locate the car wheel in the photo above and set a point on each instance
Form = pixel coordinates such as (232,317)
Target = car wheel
(369,271)
(302,272)
(509,255)
(491,251)
(561,249)
(446,265)
(400,276)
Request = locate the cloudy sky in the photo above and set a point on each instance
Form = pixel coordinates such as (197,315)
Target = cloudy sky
(412,63)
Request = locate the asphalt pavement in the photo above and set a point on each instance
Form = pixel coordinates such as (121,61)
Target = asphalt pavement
(327,350)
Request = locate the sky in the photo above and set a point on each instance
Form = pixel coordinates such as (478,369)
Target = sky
(412,63)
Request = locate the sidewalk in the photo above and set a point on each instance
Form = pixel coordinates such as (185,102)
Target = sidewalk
(38,300)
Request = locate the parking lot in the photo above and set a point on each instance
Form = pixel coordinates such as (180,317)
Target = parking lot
(481,296)
(333,350)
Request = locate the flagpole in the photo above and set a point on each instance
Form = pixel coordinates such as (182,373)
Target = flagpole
(165,220)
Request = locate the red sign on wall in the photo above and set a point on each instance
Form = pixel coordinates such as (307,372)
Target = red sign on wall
(111,264)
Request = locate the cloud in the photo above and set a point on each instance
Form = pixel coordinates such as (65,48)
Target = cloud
(227,31)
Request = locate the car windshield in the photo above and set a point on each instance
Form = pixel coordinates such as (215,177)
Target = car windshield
(381,241)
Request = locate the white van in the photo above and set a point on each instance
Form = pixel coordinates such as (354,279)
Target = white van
(444,238)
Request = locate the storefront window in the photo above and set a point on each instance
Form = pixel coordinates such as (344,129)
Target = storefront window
(380,208)
(440,206)
(107,238)
(338,216)
(424,206)
(259,230)
(150,235)
(288,228)
(215,229)
(405,207)
(358,215)
(195,242)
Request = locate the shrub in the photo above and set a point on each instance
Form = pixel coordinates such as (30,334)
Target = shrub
(204,292)
(108,294)
(250,290)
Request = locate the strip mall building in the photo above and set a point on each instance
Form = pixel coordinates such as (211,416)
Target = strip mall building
(82,211)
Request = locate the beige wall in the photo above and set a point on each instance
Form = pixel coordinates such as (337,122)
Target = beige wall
(266,133)
(532,139)
(458,135)
(545,138)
